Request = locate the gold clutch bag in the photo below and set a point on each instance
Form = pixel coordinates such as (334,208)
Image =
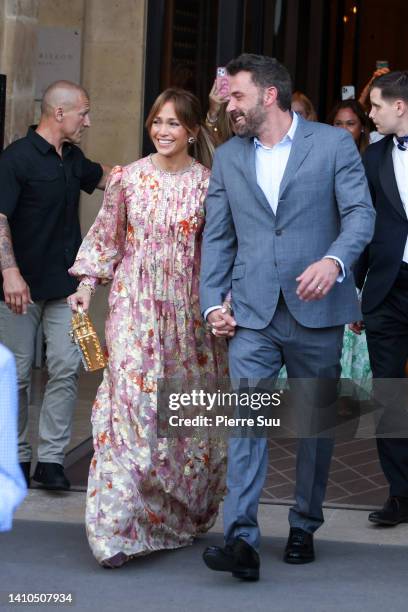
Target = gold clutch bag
(83,334)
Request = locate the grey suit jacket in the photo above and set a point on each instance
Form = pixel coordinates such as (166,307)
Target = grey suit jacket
(324,209)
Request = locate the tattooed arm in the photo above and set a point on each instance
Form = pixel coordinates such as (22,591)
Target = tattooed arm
(7,259)
(16,291)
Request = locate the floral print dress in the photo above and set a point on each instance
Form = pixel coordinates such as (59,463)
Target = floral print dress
(147,493)
(355,364)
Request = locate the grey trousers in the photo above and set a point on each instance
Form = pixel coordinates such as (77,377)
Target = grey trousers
(18,333)
(254,354)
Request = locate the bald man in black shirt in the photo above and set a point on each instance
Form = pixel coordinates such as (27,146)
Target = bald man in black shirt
(41,176)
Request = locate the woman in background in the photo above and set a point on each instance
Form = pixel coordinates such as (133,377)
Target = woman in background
(350,115)
(147,493)
(355,363)
(303,106)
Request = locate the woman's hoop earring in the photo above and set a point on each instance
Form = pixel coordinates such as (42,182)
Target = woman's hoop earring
(191,140)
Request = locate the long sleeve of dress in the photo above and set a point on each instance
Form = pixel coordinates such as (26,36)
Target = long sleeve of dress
(103,246)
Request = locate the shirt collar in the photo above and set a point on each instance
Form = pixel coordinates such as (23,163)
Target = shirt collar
(288,137)
(43,145)
(38,141)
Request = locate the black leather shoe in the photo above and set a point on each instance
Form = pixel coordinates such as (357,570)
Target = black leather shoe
(26,469)
(239,558)
(394,511)
(51,476)
(299,548)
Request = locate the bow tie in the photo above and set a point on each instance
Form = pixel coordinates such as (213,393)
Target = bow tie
(402,142)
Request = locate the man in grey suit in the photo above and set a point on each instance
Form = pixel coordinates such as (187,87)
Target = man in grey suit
(288,212)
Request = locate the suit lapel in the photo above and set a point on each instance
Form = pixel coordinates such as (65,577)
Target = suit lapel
(388,181)
(302,143)
(250,174)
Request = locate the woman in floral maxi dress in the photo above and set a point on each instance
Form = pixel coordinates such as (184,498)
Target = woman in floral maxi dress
(144,493)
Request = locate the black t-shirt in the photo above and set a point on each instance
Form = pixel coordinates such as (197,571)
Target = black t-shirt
(39,194)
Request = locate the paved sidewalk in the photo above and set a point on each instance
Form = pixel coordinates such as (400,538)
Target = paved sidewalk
(358,567)
(355,478)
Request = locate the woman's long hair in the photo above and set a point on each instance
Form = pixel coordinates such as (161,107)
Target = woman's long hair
(301,98)
(359,111)
(188,112)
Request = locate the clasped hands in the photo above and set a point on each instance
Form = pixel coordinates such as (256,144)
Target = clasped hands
(222,322)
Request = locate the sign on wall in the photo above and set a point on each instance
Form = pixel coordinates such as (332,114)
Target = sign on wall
(59,57)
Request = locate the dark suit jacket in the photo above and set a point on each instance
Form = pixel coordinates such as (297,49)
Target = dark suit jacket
(381,260)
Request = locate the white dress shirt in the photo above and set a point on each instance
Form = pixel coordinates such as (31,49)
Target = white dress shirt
(400,161)
(270,164)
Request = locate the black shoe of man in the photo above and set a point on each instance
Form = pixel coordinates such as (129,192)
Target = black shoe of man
(26,469)
(299,548)
(394,511)
(239,558)
(51,476)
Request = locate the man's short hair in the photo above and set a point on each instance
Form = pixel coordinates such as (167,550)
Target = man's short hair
(393,85)
(61,93)
(265,72)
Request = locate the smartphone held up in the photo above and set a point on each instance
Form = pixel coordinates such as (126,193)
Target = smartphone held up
(348,92)
(222,82)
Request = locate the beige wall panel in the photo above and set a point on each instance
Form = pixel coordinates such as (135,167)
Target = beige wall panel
(2,26)
(107,74)
(25,8)
(120,21)
(18,45)
(62,13)
(20,117)
(116,104)
(113,62)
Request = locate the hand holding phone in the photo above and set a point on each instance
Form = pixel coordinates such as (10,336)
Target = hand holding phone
(222,82)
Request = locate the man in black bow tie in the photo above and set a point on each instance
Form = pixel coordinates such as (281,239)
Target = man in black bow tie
(385,294)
